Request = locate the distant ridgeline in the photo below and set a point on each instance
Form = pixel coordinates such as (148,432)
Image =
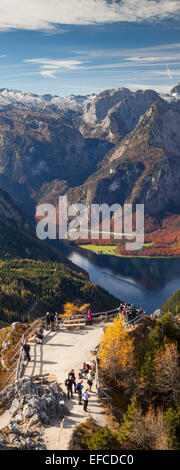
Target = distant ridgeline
(115,147)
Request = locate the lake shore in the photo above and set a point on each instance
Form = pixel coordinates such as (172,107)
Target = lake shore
(110,251)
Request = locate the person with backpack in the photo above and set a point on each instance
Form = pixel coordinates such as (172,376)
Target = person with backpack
(69,384)
(78,389)
(26,349)
(72,374)
(47,320)
(52,321)
(85,397)
(39,335)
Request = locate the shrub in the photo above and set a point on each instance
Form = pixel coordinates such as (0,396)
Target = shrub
(103,439)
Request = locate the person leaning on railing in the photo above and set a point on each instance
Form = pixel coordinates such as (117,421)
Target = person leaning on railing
(39,335)
(26,349)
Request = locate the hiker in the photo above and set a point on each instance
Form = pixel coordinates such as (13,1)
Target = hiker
(47,320)
(130,313)
(85,397)
(134,312)
(90,380)
(78,390)
(39,335)
(52,320)
(89,317)
(85,369)
(141,311)
(121,307)
(69,384)
(26,349)
(56,320)
(124,312)
(72,374)
(82,370)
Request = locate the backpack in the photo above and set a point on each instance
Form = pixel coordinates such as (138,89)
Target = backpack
(78,387)
(66,382)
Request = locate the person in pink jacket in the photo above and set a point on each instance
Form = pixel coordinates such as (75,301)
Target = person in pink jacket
(89,317)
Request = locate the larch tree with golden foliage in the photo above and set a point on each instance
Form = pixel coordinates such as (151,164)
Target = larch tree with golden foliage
(116,353)
(72,309)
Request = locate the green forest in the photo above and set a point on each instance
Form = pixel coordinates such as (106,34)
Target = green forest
(49,285)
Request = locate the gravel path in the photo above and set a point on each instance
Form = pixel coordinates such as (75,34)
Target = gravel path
(62,351)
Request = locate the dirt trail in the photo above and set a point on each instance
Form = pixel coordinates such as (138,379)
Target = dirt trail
(62,351)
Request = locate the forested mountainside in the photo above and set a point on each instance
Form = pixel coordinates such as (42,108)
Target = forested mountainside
(33,273)
(172,304)
(114,147)
(141,367)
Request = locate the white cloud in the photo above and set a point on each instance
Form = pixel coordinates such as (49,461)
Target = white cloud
(151,59)
(49,67)
(47,14)
(55,63)
(127,53)
(47,73)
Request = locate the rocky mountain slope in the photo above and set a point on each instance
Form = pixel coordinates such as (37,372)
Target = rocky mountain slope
(17,236)
(113,115)
(144,166)
(37,149)
(117,146)
(13,99)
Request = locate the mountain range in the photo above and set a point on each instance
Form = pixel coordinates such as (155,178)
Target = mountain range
(117,146)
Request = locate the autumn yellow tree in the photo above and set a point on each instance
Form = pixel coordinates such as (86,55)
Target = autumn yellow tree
(72,309)
(116,353)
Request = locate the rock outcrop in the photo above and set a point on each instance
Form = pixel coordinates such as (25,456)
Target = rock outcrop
(113,114)
(31,407)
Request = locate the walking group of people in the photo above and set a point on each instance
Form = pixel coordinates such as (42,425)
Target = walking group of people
(130,312)
(77,386)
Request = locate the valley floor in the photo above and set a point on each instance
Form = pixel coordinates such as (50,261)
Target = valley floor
(112,250)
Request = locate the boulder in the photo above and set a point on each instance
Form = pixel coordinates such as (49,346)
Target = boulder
(28,411)
(14,407)
(18,418)
(13,429)
(44,417)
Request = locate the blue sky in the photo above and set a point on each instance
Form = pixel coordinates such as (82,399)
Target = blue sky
(84,46)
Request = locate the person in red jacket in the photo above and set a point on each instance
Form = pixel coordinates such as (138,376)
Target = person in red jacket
(89,317)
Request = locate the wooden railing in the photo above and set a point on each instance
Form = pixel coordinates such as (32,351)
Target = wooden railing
(17,366)
(102,391)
